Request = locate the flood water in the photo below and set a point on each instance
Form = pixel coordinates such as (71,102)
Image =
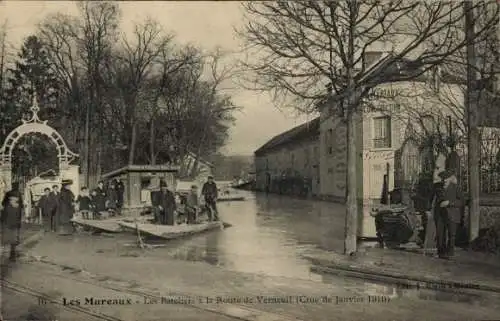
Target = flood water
(270,235)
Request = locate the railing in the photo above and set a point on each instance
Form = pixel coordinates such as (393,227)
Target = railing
(382,142)
(489,170)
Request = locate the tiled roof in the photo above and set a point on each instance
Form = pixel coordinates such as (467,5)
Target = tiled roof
(296,134)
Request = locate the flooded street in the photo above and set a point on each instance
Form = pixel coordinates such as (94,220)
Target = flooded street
(270,236)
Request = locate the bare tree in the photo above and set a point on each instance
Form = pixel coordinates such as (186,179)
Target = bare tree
(219,73)
(170,66)
(3,77)
(3,54)
(79,48)
(301,47)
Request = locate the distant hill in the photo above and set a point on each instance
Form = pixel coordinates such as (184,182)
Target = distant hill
(228,167)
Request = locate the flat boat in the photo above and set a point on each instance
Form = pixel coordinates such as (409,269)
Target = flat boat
(110,225)
(169,232)
(230,198)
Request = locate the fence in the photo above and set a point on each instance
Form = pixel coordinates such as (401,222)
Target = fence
(489,167)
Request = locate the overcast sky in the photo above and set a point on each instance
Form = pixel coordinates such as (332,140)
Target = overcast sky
(207,24)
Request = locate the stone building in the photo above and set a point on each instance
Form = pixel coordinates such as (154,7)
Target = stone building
(395,118)
(289,162)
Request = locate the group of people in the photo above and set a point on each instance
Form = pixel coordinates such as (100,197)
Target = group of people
(57,207)
(90,205)
(447,202)
(166,205)
(443,197)
(102,199)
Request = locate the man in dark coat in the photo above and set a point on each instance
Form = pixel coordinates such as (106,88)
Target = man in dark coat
(120,191)
(99,198)
(13,192)
(45,207)
(192,205)
(11,220)
(448,216)
(422,203)
(452,163)
(211,193)
(166,204)
(66,207)
(155,203)
(54,207)
(112,198)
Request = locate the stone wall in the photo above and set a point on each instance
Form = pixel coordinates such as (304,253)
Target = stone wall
(300,160)
(489,216)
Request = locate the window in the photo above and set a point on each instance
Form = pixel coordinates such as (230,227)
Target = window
(371,57)
(292,159)
(329,141)
(382,132)
(145,182)
(428,123)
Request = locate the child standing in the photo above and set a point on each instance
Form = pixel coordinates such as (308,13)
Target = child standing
(84,203)
(94,205)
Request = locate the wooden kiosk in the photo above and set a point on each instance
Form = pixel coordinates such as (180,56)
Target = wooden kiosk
(140,179)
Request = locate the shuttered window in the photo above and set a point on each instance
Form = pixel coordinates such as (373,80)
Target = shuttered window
(382,132)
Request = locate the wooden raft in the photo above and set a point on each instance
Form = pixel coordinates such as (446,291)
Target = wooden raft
(170,232)
(230,198)
(107,225)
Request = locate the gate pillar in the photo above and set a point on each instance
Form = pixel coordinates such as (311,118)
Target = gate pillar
(5,179)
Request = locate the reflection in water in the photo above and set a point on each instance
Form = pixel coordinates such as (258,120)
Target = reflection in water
(445,295)
(271,234)
(431,294)
(211,249)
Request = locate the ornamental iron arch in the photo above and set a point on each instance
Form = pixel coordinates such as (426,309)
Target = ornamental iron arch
(33,125)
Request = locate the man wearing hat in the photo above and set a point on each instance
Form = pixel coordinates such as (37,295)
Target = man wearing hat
(99,198)
(165,201)
(210,193)
(448,214)
(66,207)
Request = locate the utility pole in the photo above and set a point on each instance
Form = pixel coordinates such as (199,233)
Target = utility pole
(473,139)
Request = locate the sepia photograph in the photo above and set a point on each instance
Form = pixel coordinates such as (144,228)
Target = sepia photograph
(321,160)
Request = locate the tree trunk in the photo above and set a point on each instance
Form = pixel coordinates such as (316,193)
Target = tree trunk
(152,139)
(86,154)
(2,59)
(133,142)
(353,174)
(473,140)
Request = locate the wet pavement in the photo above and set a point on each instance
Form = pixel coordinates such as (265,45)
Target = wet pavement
(263,253)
